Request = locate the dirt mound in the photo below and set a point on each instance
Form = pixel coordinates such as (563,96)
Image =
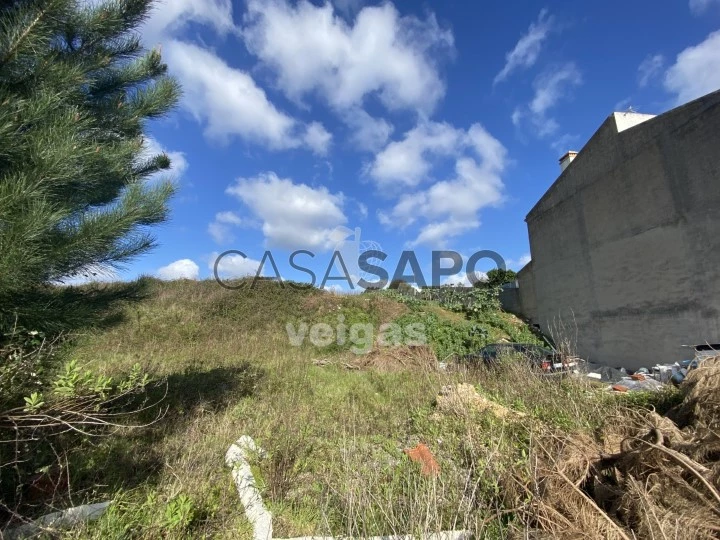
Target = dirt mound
(643,478)
(418,358)
(463,398)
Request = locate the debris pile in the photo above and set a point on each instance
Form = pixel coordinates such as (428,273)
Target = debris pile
(644,379)
(462,399)
(649,476)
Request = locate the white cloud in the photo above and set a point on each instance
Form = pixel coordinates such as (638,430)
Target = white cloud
(698,7)
(650,68)
(462,279)
(317,138)
(517,116)
(293,215)
(550,87)
(178,163)
(313,50)
(182,269)
(369,133)
(221,228)
(527,49)
(233,265)
(362,210)
(408,162)
(229,102)
(230,218)
(696,71)
(449,208)
(169,17)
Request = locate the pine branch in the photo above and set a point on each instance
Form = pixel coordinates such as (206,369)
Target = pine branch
(27,31)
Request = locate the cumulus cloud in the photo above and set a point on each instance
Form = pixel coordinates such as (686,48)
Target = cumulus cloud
(169,17)
(293,216)
(228,102)
(696,71)
(313,50)
(182,269)
(528,48)
(221,228)
(449,207)
(233,265)
(650,68)
(408,161)
(317,138)
(369,133)
(225,99)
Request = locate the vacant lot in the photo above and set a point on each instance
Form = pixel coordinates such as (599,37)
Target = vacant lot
(335,425)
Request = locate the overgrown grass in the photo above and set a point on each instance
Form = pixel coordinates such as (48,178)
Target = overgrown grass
(334,437)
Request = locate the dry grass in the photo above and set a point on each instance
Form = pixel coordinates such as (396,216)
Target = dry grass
(334,436)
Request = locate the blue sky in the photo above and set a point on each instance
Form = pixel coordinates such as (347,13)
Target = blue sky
(429,125)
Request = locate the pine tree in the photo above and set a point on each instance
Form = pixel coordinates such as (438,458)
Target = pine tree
(76,92)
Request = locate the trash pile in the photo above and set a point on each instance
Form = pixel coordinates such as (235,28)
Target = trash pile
(646,476)
(652,379)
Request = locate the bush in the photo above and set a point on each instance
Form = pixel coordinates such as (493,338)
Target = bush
(45,413)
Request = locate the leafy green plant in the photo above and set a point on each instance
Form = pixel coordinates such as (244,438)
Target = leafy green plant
(448,339)
(179,513)
(33,402)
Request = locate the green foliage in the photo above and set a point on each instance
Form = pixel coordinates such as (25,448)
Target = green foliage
(179,513)
(471,302)
(518,333)
(33,402)
(458,299)
(497,277)
(76,91)
(410,300)
(334,463)
(448,339)
(659,401)
(44,409)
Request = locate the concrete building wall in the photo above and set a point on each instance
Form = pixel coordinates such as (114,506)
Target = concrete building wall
(626,244)
(510,300)
(526,292)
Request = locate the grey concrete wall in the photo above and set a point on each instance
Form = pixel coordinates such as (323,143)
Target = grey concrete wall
(526,292)
(626,244)
(510,300)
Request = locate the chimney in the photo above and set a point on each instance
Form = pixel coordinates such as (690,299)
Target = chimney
(567,159)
